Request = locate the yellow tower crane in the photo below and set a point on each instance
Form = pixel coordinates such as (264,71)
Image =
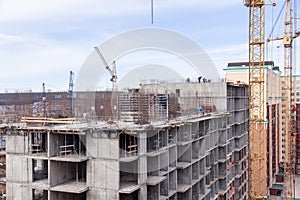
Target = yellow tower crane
(288,103)
(257,133)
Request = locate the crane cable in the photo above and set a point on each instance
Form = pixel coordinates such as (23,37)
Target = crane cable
(274,25)
(276,21)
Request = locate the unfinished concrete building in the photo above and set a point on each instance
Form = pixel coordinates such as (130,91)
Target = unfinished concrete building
(175,141)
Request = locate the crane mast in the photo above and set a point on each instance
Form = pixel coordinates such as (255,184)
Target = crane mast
(257,133)
(257,138)
(288,101)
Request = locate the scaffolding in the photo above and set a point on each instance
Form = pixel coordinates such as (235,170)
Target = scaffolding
(140,108)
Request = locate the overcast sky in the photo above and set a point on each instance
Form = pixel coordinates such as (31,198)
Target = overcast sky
(42,40)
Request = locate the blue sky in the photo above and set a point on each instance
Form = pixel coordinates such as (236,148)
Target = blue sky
(41,41)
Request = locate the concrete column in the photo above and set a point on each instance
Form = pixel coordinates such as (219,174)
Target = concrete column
(49,140)
(142,176)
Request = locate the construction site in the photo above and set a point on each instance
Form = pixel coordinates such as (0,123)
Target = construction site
(183,144)
(231,139)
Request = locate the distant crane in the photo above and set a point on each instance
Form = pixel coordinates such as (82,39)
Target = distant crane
(70,92)
(112,72)
(44,99)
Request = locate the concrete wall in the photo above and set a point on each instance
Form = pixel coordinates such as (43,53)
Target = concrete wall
(16,144)
(99,146)
(61,172)
(17,168)
(102,179)
(17,191)
(102,167)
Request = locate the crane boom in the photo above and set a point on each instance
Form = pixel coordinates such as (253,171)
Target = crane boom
(257,139)
(111,71)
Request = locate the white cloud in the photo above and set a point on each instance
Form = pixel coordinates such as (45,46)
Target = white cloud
(32,47)
(16,10)
(229,49)
(222,55)
(9,39)
(144,57)
(36,65)
(200,5)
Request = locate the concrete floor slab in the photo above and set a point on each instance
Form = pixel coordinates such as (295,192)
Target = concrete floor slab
(172,192)
(71,187)
(183,188)
(128,159)
(128,188)
(41,184)
(70,158)
(163,197)
(183,165)
(40,156)
(154,180)
(156,152)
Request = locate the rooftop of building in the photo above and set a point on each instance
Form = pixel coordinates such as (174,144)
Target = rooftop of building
(80,126)
(150,106)
(245,66)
